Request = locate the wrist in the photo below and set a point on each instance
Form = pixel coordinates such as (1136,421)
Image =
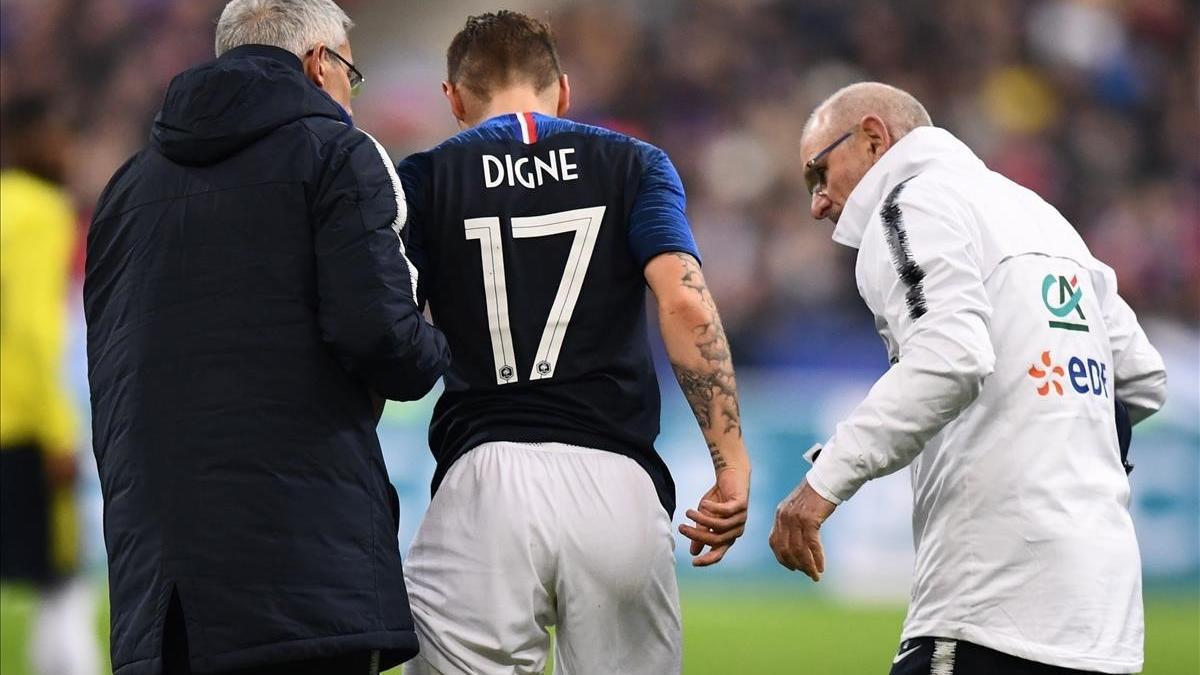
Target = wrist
(818,485)
(729,456)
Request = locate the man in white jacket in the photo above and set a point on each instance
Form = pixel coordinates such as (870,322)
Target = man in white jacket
(1010,350)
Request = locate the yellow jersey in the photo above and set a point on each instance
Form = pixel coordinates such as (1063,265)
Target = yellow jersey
(37,235)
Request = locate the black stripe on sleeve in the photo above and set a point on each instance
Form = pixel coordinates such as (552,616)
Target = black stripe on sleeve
(909,271)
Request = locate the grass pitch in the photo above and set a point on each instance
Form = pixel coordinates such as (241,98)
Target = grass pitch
(759,630)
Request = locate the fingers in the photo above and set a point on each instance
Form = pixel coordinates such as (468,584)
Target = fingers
(808,564)
(724,509)
(715,523)
(792,553)
(718,534)
(813,544)
(719,523)
(710,537)
(778,542)
(781,543)
(714,556)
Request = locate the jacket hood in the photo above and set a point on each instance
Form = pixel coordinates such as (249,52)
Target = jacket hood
(216,109)
(920,148)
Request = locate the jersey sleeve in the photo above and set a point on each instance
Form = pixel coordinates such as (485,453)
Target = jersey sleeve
(658,221)
(929,281)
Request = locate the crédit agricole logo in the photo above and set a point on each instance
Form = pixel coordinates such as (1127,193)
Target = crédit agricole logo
(1064,302)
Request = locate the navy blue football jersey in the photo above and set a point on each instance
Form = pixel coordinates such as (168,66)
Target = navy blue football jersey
(530,234)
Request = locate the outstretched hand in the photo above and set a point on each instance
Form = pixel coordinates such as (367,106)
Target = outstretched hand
(720,517)
(796,538)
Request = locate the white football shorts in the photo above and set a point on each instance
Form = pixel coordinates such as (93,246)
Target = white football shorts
(524,536)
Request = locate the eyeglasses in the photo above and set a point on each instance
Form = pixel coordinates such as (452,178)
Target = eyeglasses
(355,76)
(814,169)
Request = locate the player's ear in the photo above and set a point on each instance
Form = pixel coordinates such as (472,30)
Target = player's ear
(454,97)
(877,135)
(315,64)
(564,95)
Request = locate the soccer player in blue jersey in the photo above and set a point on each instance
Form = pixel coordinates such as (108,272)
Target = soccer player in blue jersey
(535,238)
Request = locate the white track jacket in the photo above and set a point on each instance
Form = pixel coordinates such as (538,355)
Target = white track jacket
(1008,343)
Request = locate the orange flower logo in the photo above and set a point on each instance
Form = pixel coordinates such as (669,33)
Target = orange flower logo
(1050,376)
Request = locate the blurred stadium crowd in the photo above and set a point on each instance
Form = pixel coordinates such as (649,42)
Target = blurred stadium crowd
(1091,103)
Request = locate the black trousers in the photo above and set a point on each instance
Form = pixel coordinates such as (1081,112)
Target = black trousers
(941,656)
(175,656)
(25,517)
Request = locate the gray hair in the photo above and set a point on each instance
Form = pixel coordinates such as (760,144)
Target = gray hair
(898,109)
(294,25)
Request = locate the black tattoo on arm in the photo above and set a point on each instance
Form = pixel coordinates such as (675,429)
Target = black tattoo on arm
(710,390)
(718,459)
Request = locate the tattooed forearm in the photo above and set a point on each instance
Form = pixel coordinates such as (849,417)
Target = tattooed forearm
(697,389)
(712,395)
(718,459)
(709,385)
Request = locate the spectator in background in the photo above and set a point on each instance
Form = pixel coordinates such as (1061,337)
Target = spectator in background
(39,542)
(246,295)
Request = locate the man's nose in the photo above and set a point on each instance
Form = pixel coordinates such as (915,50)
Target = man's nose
(820,205)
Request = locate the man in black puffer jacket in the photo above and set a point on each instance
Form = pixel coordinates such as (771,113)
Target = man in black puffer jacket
(248,300)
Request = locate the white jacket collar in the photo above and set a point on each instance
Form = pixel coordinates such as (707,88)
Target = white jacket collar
(908,157)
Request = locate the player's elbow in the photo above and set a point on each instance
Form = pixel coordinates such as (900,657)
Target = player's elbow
(685,310)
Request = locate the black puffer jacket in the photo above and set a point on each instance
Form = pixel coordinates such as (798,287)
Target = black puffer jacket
(246,290)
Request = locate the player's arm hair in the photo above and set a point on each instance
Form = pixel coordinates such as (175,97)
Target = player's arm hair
(699,354)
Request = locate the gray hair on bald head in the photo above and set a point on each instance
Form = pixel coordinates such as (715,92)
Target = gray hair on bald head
(294,25)
(898,109)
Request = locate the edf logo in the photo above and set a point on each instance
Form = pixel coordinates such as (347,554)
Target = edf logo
(1085,376)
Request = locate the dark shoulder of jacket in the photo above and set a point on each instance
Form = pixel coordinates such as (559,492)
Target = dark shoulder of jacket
(336,144)
(333,140)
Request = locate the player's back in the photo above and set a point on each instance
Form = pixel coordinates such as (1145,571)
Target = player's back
(531,234)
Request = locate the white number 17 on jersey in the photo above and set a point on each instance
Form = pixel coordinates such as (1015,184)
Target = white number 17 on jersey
(585,223)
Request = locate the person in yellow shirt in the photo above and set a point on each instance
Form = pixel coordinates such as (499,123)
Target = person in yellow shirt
(39,534)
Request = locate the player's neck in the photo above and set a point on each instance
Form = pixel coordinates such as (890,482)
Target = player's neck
(517,101)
